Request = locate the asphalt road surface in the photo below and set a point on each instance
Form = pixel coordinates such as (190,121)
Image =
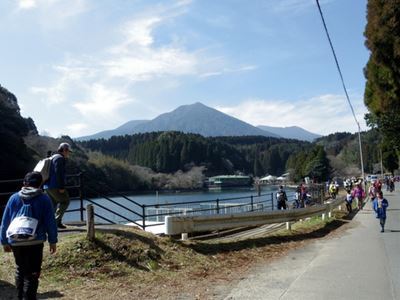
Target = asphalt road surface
(360,263)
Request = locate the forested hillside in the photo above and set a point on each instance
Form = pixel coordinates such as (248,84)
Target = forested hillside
(343,151)
(172,151)
(15,157)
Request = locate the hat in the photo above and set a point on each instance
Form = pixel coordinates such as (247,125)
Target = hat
(33,179)
(64,146)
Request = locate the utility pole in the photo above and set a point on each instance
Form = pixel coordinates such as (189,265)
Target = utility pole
(380,150)
(361,153)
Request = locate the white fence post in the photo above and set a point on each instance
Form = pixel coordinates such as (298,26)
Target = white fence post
(288,226)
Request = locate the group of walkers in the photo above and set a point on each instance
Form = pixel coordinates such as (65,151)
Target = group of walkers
(389,182)
(378,201)
(33,216)
(354,192)
(301,198)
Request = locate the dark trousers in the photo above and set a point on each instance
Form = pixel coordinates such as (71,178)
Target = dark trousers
(382,221)
(281,204)
(29,263)
(348,206)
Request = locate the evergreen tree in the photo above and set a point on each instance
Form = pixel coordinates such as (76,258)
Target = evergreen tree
(382,91)
(390,160)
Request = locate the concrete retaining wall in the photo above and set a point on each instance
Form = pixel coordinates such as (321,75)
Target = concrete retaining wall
(186,224)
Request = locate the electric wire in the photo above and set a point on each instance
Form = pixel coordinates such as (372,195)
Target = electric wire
(337,62)
(344,86)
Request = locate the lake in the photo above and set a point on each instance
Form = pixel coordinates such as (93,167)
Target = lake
(165,203)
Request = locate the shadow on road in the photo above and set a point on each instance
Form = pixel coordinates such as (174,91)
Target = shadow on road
(350,216)
(8,292)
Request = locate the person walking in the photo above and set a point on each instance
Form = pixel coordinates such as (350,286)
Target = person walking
(303,195)
(282,198)
(332,190)
(349,201)
(297,199)
(372,193)
(391,185)
(55,186)
(380,205)
(27,242)
(359,194)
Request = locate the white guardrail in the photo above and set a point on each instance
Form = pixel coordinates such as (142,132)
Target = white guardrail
(187,224)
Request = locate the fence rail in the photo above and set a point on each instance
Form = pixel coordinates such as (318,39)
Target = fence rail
(141,214)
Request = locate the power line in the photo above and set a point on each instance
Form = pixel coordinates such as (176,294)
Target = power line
(336,61)
(344,86)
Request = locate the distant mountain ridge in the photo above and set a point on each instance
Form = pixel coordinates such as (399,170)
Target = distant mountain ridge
(201,119)
(126,128)
(292,132)
(195,118)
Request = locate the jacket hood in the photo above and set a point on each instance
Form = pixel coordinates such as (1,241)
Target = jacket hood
(29,192)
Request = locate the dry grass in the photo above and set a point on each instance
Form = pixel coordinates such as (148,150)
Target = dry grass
(130,263)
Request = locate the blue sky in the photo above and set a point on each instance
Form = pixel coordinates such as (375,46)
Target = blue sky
(82,66)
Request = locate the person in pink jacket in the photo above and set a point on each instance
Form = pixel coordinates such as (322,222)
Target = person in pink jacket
(359,194)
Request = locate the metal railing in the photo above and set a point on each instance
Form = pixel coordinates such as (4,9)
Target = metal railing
(139,214)
(74,182)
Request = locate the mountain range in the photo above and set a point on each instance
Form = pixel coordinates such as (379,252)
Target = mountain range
(291,132)
(201,119)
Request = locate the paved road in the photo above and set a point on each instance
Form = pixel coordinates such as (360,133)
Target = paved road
(362,263)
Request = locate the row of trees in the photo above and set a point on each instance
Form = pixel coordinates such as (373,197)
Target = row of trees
(168,152)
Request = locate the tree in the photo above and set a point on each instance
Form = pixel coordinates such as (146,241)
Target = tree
(390,160)
(318,166)
(382,90)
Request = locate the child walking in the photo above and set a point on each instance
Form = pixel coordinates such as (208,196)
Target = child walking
(349,201)
(379,205)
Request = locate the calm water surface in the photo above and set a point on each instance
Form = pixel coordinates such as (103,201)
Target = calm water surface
(178,197)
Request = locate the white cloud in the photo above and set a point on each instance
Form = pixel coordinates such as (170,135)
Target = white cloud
(71,76)
(147,64)
(26,4)
(77,128)
(138,32)
(322,114)
(103,103)
(53,14)
(137,58)
(228,70)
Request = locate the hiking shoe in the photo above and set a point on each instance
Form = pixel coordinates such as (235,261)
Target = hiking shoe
(61,226)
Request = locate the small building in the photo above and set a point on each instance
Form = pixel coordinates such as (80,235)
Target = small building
(223,181)
(283,177)
(267,179)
